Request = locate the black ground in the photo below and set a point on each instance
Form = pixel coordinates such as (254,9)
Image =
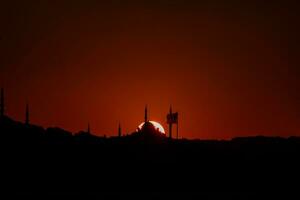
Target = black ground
(52,161)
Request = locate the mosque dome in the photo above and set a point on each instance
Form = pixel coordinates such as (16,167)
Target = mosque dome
(148,127)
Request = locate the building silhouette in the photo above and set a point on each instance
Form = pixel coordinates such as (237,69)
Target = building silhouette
(148,127)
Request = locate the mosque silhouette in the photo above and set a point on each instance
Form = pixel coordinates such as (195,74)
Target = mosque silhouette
(147,129)
(53,160)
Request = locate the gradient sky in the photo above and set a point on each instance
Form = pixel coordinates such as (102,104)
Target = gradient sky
(229,68)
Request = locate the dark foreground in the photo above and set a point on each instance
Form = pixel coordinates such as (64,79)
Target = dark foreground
(49,162)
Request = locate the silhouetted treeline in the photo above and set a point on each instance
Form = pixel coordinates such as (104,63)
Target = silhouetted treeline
(54,160)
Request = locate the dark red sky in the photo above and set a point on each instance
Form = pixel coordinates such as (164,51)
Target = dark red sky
(230,69)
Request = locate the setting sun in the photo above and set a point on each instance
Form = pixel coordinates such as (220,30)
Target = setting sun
(156,125)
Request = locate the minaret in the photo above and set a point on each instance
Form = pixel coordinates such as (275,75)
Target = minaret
(89,129)
(27,115)
(119,130)
(170,124)
(2,103)
(146,114)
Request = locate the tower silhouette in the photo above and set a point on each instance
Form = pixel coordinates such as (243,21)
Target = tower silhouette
(170,124)
(88,129)
(2,103)
(119,130)
(146,113)
(27,115)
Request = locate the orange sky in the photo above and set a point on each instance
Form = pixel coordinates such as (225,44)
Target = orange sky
(228,69)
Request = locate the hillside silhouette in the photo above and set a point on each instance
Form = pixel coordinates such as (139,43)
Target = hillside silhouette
(54,160)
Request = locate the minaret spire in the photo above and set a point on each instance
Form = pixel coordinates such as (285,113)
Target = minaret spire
(2,103)
(119,130)
(88,129)
(170,124)
(146,113)
(27,114)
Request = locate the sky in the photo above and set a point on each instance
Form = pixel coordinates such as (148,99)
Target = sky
(230,68)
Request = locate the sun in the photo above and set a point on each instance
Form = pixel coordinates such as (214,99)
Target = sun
(156,125)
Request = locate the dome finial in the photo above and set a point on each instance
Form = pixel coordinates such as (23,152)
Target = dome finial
(146,113)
